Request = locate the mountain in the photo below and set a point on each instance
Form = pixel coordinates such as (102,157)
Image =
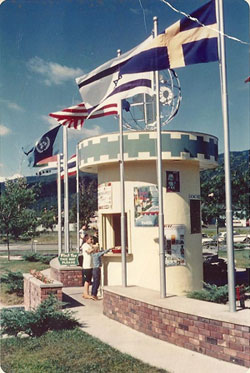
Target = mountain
(48,183)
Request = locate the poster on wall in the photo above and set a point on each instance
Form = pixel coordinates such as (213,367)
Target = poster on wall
(174,245)
(146,205)
(173,181)
(104,196)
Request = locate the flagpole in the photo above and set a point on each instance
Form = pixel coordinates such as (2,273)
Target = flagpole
(159,177)
(122,194)
(77,200)
(228,193)
(59,204)
(66,190)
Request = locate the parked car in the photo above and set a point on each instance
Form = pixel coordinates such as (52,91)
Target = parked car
(205,240)
(238,238)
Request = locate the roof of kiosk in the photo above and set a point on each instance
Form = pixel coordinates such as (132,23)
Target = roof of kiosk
(142,145)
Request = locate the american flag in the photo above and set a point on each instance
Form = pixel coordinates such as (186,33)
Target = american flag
(74,116)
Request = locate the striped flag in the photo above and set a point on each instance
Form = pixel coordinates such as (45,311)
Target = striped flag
(74,116)
(50,166)
(71,167)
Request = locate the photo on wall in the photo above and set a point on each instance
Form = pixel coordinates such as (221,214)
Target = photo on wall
(146,205)
(173,181)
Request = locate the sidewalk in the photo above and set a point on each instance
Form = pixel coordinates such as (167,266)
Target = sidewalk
(150,350)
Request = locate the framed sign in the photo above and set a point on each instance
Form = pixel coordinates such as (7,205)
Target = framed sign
(70,259)
(146,205)
(172,181)
(195,216)
(174,244)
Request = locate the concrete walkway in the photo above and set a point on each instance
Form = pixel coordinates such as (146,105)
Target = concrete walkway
(150,350)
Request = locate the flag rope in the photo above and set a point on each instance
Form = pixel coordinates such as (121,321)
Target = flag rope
(201,24)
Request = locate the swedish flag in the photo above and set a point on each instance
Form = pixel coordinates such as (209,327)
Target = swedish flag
(186,42)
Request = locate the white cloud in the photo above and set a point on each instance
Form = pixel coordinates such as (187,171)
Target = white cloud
(53,72)
(52,122)
(93,131)
(11,105)
(84,132)
(4,130)
(4,178)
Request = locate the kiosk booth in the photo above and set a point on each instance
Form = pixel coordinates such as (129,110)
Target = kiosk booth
(184,154)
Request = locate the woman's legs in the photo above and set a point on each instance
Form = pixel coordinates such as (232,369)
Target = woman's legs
(87,275)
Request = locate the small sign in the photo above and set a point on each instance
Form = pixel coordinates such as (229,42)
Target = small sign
(69,260)
(105,196)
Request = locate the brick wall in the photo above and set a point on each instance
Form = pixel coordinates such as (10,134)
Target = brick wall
(69,277)
(221,340)
(35,291)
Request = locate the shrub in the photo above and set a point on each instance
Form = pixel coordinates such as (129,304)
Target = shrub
(32,257)
(35,257)
(14,282)
(45,259)
(48,316)
(211,293)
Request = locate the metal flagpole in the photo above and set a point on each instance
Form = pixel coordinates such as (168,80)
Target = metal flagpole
(122,196)
(59,204)
(66,190)
(159,177)
(77,199)
(229,217)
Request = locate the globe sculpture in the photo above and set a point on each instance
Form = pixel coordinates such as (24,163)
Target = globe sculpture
(140,110)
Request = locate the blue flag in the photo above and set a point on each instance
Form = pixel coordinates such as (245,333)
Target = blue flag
(186,42)
(43,148)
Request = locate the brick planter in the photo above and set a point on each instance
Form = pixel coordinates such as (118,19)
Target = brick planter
(70,276)
(35,291)
(223,340)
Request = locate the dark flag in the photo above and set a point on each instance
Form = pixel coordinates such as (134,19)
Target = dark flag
(43,148)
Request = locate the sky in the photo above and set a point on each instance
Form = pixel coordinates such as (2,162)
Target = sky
(46,44)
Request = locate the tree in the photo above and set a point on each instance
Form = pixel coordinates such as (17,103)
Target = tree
(213,188)
(49,218)
(16,215)
(88,201)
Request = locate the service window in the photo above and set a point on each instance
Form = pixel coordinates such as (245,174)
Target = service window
(111,224)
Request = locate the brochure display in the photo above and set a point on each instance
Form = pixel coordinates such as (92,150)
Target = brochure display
(174,244)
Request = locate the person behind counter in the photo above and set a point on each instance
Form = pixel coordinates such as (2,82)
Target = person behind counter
(87,250)
(96,272)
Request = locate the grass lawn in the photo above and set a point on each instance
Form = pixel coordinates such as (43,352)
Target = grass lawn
(65,352)
(242,257)
(15,266)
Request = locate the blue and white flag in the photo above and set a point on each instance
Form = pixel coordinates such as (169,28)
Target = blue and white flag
(184,43)
(43,148)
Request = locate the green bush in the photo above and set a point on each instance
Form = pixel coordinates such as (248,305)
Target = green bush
(32,257)
(14,282)
(48,316)
(35,257)
(211,293)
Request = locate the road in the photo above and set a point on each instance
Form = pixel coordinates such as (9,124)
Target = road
(27,247)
